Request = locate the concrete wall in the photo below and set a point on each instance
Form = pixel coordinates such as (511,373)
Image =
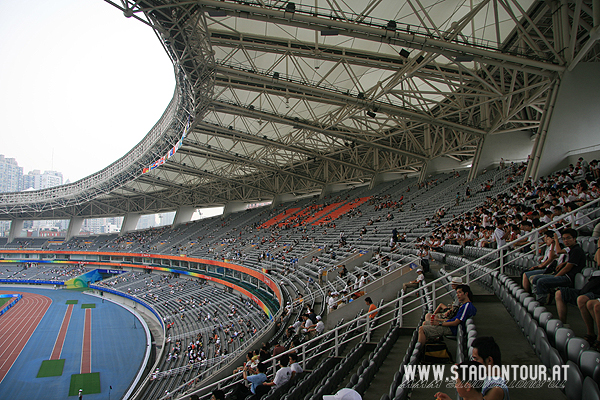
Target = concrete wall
(513,146)
(386,289)
(575,123)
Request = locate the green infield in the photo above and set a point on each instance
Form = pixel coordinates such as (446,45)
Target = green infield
(5,300)
(88,306)
(51,368)
(72,301)
(90,383)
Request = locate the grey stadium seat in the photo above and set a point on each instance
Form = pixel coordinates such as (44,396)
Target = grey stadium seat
(574,348)
(589,363)
(562,337)
(573,388)
(590,390)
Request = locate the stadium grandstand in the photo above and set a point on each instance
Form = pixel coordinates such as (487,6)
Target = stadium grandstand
(368,155)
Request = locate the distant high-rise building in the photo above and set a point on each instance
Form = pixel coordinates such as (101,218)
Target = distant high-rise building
(11,175)
(36,180)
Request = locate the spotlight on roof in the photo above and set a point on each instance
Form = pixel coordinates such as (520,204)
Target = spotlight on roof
(464,58)
(420,59)
(290,7)
(371,114)
(391,25)
(330,32)
(404,53)
(275,75)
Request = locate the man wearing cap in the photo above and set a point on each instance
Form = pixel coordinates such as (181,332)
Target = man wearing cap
(344,394)
(414,284)
(316,329)
(443,311)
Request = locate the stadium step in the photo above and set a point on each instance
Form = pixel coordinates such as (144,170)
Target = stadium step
(380,384)
(493,319)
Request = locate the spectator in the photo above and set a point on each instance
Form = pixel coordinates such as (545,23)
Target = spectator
(443,311)
(283,375)
(414,283)
(547,262)
(466,386)
(425,257)
(217,394)
(249,363)
(278,349)
(449,327)
(590,312)
(578,297)
(294,366)
(318,328)
(254,380)
(487,352)
(372,313)
(566,271)
(499,234)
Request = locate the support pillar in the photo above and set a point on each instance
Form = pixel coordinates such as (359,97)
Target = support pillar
(476,158)
(327,189)
(233,207)
(423,173)
(376,180)
(183,215)
(277,200)
(533,167)
(74,228)
(16,226)
(129,223)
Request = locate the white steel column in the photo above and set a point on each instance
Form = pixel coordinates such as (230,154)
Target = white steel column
(183,215)
(74,228)
(16,226)
(129,223)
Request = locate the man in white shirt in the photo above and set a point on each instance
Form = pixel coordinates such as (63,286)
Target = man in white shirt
(318,328)
(415,283)
(499,234)
(294,366)
(283,375)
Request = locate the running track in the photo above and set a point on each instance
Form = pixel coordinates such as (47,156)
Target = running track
(62,334)
(86,351)
(18,325)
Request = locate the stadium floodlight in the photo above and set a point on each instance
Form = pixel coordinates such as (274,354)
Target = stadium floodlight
(404,53)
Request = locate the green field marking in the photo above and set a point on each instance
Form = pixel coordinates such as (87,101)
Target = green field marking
(88,305)
(51,368)
(5,300)
(72,301)
(90,383)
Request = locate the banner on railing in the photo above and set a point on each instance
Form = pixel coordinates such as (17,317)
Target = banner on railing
(171,152)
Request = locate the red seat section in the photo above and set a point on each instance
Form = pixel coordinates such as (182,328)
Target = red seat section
(342,210)
(323,212)
(284,215)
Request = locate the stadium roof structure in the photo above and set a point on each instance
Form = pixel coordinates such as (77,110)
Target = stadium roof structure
(278,97)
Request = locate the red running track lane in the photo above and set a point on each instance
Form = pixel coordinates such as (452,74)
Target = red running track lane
(86,351)
(62,334)
(17,327)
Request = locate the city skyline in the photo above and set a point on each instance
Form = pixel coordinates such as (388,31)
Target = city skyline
(11,172)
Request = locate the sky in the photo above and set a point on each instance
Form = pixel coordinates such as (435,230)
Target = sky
(80,84)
